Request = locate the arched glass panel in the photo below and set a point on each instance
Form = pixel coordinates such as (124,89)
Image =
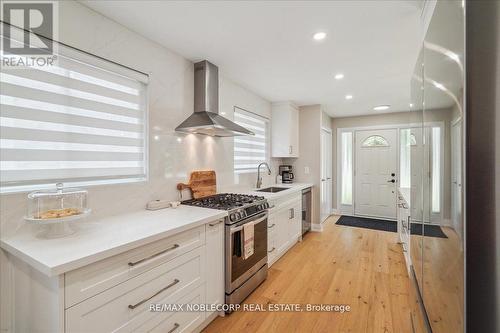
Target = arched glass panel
(375,141)
(413,141)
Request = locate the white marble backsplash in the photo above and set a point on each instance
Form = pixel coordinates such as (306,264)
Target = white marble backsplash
(172,156)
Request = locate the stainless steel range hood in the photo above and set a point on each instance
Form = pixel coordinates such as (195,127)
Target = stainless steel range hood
(206,119)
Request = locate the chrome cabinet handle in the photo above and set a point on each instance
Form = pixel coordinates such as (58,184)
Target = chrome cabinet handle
(155,294)
(154,255)
(291,214)
(272,225)
(290,149)
(176,326)
(214,224)
(271,250)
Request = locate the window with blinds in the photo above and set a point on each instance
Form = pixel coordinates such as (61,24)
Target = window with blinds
(250,151)
(83,121)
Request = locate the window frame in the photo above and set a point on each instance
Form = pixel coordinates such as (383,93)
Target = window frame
(267,142)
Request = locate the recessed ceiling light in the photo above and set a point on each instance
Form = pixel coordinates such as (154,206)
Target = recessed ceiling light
(381,107)
(339,76)
(348,96)
(319,35)
(411,105)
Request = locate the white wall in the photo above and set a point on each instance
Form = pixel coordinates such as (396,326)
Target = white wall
(171,101)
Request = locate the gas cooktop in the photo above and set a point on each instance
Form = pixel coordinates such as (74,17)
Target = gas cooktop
(240,206)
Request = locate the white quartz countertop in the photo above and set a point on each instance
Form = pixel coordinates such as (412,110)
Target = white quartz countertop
(405,193)
(99,239)
(291,188)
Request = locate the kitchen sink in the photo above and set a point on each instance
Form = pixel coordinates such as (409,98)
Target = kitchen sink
(273,189)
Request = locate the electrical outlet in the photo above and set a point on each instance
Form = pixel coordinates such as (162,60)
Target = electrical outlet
(306,170)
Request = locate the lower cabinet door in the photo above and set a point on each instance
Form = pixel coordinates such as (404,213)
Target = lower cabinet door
(215,262)
(283,218)
(296,228)
(272,251)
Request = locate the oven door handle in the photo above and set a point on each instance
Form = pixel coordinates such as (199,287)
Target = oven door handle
(239,228)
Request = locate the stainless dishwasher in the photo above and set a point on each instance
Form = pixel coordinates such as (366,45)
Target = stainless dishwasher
(306,210)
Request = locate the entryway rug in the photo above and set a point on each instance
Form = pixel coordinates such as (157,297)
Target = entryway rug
(391,226)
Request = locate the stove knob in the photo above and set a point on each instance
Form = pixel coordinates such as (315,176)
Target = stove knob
(238,215)
(266,205)
(232,217)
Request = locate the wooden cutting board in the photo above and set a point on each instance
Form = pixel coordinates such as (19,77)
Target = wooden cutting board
(201,183)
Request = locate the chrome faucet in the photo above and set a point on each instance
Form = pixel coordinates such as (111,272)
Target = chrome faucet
(259,178)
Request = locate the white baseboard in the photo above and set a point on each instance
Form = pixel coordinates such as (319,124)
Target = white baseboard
(446,223)
(336,211)
(316,227)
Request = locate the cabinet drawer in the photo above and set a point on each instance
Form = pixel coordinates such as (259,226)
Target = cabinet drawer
(90,280)
(175,322)
(272,250)
(125,307)
(280,203)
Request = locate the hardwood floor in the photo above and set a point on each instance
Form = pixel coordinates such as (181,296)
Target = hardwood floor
(443,281)
(361,268)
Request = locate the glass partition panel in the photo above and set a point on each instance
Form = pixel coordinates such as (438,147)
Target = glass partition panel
(442,283)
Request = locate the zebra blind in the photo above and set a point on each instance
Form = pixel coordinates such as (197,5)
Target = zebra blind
(83,121)
(250,151)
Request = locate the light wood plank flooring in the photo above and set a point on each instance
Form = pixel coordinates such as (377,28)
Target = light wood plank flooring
(343,265)
(440,276)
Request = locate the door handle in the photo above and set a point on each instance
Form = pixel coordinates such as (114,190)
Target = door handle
(392,181)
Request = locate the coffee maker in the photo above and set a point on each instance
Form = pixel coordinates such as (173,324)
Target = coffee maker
(285,171)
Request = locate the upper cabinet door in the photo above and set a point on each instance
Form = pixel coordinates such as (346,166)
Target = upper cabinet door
(285,130)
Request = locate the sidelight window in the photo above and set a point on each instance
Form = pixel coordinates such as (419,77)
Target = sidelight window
(346,169)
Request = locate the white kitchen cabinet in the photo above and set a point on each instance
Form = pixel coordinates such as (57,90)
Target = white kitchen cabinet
(115,293)
(271,239)
(285,130)
(284,225)
(125,307)
(215,263)
(283,234)
(90,280)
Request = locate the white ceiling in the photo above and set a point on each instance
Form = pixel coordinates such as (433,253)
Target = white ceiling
(267,46)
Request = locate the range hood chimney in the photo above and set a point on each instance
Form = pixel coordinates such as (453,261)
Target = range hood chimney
(206,119)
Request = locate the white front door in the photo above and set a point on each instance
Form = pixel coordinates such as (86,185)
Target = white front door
(326,174)
(376,173)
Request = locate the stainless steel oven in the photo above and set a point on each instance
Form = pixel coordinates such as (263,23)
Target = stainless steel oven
(244,275)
